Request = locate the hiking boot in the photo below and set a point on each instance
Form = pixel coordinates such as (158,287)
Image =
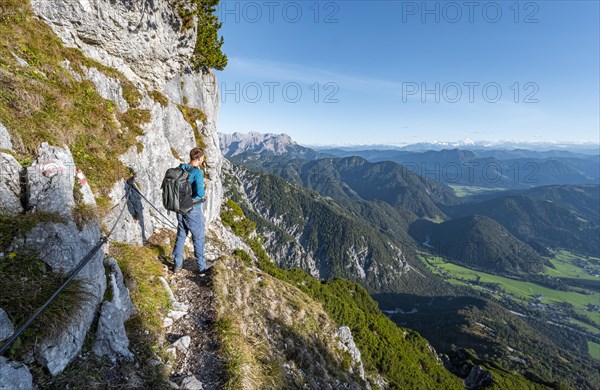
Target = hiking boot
(206,272)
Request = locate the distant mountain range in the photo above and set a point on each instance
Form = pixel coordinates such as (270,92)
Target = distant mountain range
(356,179)
(491,168)
(581,147)
(271,144)
(392,197)
(470,165)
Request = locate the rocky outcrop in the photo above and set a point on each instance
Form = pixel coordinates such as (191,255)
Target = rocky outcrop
(347,343)
(10,189)
(191,383)
(14,376)
(5,142)
(6,326)
(478,378)
(51,180)
(111,338)
(62,245)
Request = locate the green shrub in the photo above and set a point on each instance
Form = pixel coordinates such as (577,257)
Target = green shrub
(207,51)
(232,216)
(244,256)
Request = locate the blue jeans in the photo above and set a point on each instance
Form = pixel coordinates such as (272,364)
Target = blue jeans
(191,222)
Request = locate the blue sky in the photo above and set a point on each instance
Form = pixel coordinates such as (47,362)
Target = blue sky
(396,72)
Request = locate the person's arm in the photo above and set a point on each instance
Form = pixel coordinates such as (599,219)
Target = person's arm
(198,184)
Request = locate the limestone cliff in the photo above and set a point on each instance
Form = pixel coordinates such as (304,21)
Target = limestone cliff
(136,48)
(145,41)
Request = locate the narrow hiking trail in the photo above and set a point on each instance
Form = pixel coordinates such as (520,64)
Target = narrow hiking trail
(198,363)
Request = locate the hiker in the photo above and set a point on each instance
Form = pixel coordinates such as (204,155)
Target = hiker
(193,220)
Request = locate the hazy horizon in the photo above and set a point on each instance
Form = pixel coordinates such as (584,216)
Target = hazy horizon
(462,142)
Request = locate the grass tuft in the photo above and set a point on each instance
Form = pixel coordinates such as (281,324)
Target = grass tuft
(159,98)
(243,370)
(84,214)
(193,116)
(27,283)
(142,267)
(132,120)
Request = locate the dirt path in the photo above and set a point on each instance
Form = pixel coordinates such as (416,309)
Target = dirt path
(202,359)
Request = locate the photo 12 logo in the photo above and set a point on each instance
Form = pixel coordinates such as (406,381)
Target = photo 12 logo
(278,11)
(469,11)
(275,91)
(470,91)
(479,173)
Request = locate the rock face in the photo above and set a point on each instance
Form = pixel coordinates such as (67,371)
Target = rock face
(347,343)
(107,87)
(10,203)
(6,326)
(142,39)
(14,376)
(201,91)
(111,337)
(62,245)
(5,142)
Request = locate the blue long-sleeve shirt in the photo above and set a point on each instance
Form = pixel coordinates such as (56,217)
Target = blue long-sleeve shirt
(197,182)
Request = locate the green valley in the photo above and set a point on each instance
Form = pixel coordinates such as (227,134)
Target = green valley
(522,290)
